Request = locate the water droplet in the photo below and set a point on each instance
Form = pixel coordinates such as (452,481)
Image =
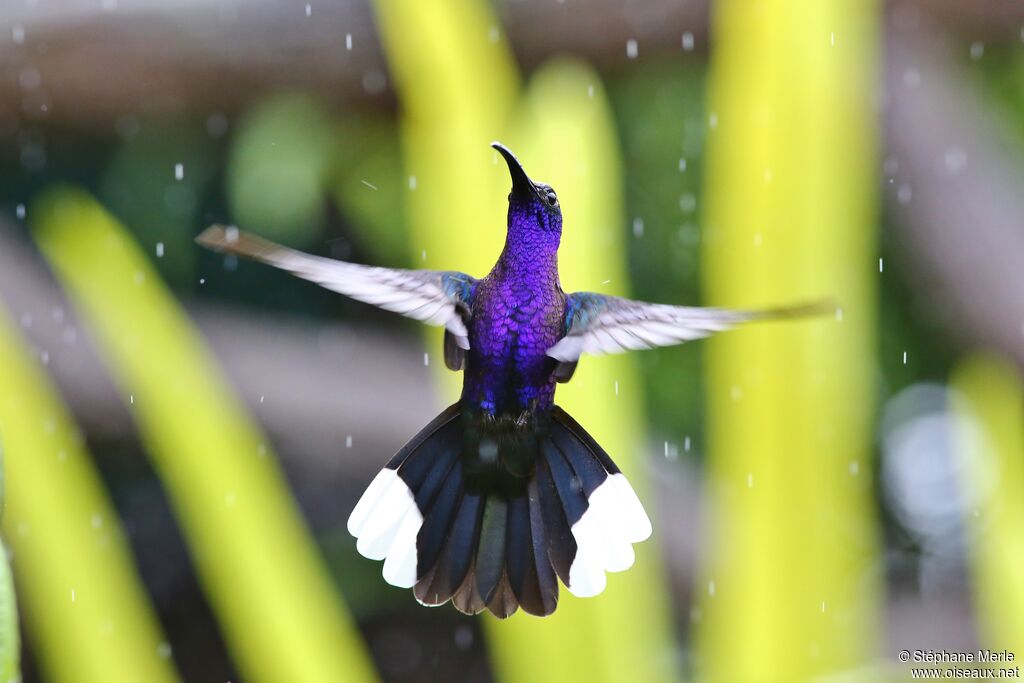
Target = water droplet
(832,38)
(590,91)
(309,9)
(904,357)
(163,650)
(686,444)
(72,595)
(631,49)
(688,202)
(671,452)
(904,194)
(736,393)
(912,78)
(426,359)
(463,637)
(682,164)
(822,606)
(412,182)
(638,227)
(493,34)
(159,249)
(348,41)
(179,171)
(216,125)
(688,41)
(18,34)
(881,265)
(97,521)
(131,399)
(348,441)
(854,468)
(713,121)
(616,387)
(711,589)
(750,480)
(369,184)
(839,314)
(977,50)
(955,159)
(19,211)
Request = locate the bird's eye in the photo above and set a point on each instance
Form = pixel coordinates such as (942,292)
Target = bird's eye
(552,199)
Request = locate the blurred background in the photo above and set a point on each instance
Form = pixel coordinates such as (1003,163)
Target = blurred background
(184,435)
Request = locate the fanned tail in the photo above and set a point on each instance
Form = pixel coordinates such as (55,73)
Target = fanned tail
(494,546)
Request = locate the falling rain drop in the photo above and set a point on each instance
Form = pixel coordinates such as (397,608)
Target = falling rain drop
(426,360)
(881,265)
(19,211)
(348,41)
(977,50)
(904,194)
(631,49)
(686,444)
(750,480)
(638,227)
(412,182)
(711,589)
(854,468)
(179,171)
(904,357)
(348,441)
(688,41)
(309,9)
(18,34)
(159,249)
(616,387)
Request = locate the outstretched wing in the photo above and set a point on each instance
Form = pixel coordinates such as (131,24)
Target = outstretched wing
(598,324)
(432,296)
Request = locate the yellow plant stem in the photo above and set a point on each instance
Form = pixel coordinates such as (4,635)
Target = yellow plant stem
(259,566)
(789,588)
(85,608)
(990,400)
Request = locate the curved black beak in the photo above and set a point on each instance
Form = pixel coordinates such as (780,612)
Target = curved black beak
(521,183)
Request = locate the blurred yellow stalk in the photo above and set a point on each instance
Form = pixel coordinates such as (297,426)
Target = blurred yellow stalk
(789,589)
(992,440)
(86,611)
(275,603)
(458,88)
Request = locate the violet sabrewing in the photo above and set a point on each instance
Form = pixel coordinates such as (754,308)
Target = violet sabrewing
(503,493)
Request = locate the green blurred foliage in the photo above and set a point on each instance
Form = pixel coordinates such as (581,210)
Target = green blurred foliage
(659,109)
(156,182)
(279,167)
(369,185)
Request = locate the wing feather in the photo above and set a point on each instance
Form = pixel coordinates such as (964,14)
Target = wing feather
(434,297)
(598,324)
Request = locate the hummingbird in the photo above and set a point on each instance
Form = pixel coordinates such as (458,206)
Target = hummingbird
(503,494)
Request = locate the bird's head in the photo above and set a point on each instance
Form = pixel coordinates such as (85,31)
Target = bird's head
(532,207)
